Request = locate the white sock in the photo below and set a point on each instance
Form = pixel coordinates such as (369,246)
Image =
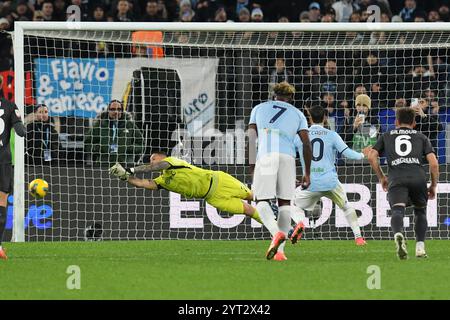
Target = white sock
(284,222)
(352,219)
(297,214)
(420,245)
(267,217)
(1,248)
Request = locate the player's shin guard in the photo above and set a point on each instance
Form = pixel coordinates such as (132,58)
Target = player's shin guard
(2,222)
(297,214)
(352,220)
(284,222)
(398,212)
(267,216)
(420,223)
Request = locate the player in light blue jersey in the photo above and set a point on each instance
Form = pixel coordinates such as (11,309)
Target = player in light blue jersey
(326,144)
(276,124)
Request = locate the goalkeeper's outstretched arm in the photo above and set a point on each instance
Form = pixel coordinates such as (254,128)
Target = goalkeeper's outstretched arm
(148,184)
(162,165)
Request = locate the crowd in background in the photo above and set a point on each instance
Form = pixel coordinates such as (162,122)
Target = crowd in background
(390,78)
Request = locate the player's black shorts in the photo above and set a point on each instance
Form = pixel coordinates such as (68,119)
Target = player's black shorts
(6,178)
(408,190)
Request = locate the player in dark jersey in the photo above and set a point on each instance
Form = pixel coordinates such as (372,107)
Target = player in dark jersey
(406,151)
(9,118)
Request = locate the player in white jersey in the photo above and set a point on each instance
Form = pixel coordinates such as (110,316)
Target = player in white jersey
(324,180)
(276,124)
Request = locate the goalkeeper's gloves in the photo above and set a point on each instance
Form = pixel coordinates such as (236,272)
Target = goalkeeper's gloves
(122,173)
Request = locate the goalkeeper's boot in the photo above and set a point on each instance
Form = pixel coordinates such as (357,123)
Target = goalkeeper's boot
(360,241)
(297,233)
(420,250)
(402,252)
(3,254)
(277,240)
(280,256)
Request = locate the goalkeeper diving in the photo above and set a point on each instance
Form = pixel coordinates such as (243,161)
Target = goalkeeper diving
(218,188)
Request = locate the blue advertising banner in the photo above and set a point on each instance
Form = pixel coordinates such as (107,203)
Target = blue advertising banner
(74,87)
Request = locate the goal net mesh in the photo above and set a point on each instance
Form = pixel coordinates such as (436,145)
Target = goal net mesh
(190,94)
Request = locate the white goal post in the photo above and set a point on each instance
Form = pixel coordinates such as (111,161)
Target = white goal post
(320,41)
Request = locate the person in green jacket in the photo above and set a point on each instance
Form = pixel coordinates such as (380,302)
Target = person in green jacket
(114,137)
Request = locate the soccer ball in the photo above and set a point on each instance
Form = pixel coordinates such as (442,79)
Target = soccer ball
(38,188)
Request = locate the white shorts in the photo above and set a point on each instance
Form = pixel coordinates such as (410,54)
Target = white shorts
(306,200)
(274,177)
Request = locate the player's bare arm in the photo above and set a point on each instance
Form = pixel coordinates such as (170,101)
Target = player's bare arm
(148,184)
(434,172)
(162,165)
(373,160)
(307,156)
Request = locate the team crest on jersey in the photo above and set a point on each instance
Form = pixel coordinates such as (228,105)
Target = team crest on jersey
(17,113)
(169,178)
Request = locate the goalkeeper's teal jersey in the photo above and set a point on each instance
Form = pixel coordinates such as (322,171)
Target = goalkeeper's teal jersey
(184,178)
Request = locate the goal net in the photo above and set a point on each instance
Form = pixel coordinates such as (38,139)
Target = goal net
(189,92)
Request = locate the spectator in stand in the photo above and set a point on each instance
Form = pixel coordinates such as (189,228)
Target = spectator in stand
(355,17)
(304,17)
(364,15)
(427,122)
(410,11)
(206,10)
(420,77)
(38,4)
(257,15)
(22,12)
(331,12)
(344,10)
(434,106)
(335,114)
(42,141)
(385,17)
(114,137)
(419,19)
(221,15)
(244,15)
(329,81)
(98,14)
(4,24)
(314,12)
(153,12)
(433,16)
(60,9)
(361,128)
(444,12)
(38,16)
(386,116)
(186,14)
(240,4)
(327,18)
(47,10)
(279,73)
(122,13)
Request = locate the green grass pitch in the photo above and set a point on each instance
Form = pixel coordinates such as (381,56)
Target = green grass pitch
(222,270)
